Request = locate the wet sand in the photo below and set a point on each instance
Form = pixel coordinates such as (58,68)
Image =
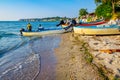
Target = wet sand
(43,61)
(33,61)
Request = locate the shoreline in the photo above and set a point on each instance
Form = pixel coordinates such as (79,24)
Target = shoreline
(68,57)
(71,61)
(33,61)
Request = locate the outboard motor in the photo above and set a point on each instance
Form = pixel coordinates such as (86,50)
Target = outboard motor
(21,30)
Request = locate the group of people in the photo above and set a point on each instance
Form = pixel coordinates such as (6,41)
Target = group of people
(71,23)
(29,27)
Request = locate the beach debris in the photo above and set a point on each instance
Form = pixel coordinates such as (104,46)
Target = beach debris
(110,51)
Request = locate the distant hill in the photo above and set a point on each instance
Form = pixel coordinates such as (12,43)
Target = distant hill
(45,19)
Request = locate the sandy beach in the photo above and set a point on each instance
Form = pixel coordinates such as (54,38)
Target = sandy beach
(60,40)
(65,57)
(83,57)
(71,63)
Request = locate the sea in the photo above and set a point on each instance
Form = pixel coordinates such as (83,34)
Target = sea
(27,58)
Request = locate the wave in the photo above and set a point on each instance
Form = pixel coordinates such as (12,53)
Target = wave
(2,32)
(0,37)
(18,45)
(7,34)
(16,66)
(14,47)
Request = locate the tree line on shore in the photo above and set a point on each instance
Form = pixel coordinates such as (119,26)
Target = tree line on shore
(45,19)
(105,8)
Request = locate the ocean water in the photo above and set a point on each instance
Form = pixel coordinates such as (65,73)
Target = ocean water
(10,36)
(17,52)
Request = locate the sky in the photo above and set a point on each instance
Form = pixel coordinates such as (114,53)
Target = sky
(22,9)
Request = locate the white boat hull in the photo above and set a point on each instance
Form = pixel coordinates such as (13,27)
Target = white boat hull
(40,33)
(91,31)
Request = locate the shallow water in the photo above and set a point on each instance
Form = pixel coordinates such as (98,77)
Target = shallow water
(10,35)
(25,58)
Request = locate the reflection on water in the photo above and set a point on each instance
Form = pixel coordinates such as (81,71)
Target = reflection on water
(25,62)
